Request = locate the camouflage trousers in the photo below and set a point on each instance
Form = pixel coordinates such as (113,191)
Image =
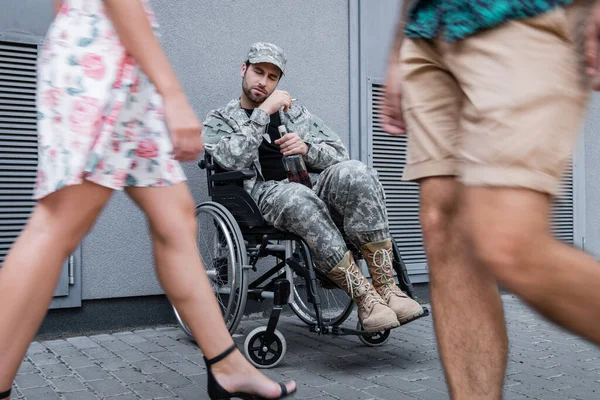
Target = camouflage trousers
(346,197)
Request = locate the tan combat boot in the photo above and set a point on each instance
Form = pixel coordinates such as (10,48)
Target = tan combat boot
(379,257)
(373,313)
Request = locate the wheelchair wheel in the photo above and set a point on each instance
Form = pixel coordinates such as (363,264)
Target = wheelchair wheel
(373,339)
(223,251)
(262,354)
(336,305)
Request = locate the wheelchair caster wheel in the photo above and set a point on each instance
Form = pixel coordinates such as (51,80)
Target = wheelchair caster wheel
(262,354)
(373,339)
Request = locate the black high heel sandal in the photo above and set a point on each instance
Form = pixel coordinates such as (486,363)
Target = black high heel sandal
(5,395)
(217,392)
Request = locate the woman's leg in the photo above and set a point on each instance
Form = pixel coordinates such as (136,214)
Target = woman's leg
(30,271)
(170,212)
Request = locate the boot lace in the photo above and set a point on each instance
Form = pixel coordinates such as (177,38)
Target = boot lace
(356,280)
(381,262)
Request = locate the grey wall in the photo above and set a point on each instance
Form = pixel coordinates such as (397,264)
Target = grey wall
(592,174)
(207,41)
(378,24)
(31,17)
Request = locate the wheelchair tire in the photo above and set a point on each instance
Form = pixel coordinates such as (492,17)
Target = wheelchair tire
(223,251)
(336,305)
(261,354)
(373,339)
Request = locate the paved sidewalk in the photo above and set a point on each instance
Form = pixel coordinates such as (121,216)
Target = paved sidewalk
(545,363)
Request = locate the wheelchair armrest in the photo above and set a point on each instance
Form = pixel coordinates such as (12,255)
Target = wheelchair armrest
(233,176)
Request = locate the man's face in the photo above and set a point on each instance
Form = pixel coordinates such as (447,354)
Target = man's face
(259,81)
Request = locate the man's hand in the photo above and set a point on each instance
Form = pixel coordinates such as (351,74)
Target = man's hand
(292,144)
(184,127)
(592,44)
(275,101)
(393,121)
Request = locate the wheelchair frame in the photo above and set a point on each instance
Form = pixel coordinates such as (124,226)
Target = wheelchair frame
(240,213)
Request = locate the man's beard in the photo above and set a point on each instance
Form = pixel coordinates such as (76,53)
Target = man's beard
(253,97)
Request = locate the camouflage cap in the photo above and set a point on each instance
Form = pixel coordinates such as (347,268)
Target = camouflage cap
(269,53)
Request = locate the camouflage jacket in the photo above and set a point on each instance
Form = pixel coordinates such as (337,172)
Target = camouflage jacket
(233,138)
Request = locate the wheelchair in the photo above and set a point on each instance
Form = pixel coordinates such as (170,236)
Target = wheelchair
(234,239)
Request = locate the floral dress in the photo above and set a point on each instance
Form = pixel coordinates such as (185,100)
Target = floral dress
(99,116)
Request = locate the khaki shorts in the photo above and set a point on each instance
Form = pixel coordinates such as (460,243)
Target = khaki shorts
(500,108)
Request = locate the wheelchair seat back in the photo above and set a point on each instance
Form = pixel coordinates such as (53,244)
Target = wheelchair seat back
(227,188)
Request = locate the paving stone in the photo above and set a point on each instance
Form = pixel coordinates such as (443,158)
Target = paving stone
(350,380)
(200,379)
(66,384)
(401,385)
(102,338)
(345,392)
(78,361)
(191,392)
(26,368)
(187,368)
(149,333)
(197,359)
(43,359)
(308,378)
(307,392)
(171,379)
(55,370)
(183,350)
(508,395)
(113,364)
(36,348)
(109,387)
(45,393)
(166,329)
(131,338)
(27,381)
(167,357)
(83,395)
(82,342)
(133,356)
(150,390)
(129,376)
(164,341)
(67,351)
(55,344)
(150,366)
(125,397)
(430,394)
(117,346)
(94,373)
(385,393)
(434,383)
(98,353)
(148,347)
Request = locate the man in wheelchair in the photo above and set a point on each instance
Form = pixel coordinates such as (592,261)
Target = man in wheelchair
(244,135)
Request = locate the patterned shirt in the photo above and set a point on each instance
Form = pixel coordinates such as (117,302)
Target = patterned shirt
(457,19)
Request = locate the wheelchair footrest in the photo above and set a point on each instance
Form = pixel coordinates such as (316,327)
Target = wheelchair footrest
(425,314)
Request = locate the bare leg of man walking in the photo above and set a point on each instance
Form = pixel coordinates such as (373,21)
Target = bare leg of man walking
(466,307)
